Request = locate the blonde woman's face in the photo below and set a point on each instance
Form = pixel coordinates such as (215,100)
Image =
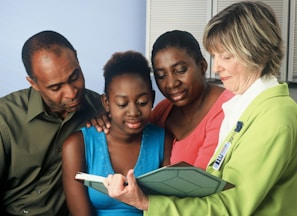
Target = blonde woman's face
(235,74)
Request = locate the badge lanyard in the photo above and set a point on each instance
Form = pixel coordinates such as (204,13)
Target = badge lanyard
(219,161)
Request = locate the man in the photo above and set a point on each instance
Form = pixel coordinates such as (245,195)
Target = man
(34,123)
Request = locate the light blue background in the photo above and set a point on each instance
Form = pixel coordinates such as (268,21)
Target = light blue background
(96,28)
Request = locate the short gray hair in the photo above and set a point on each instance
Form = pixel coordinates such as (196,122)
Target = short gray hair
(249,31)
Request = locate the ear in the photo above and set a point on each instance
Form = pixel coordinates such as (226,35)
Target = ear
(32,83)
(105,102)
(203,64)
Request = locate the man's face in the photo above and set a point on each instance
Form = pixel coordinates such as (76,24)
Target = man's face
(59,80)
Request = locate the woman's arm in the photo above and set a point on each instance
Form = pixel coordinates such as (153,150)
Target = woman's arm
(73,161)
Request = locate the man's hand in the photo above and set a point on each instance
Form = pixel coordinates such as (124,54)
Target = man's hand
(126,190)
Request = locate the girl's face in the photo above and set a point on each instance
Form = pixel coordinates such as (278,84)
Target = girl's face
(130,102)
(236,76)
(178,76)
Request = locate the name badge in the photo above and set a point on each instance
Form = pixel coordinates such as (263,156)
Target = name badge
(218,162)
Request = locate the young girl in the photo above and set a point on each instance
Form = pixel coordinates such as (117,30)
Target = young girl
(132,142)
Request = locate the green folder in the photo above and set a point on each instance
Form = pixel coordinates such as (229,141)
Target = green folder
(181,180)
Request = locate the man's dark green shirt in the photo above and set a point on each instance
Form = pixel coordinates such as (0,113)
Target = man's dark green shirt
(30,152)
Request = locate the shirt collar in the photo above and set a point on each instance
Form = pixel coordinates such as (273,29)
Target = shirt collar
(234,108)
(35,104)
(239,102)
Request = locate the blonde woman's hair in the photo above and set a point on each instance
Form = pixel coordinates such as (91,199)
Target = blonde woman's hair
(249,31)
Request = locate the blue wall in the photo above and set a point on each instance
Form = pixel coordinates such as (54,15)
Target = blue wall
(96,28)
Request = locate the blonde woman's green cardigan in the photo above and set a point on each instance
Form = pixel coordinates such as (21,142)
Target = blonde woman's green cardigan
(262,163)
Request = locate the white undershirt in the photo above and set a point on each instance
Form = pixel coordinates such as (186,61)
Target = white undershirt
(234,108)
